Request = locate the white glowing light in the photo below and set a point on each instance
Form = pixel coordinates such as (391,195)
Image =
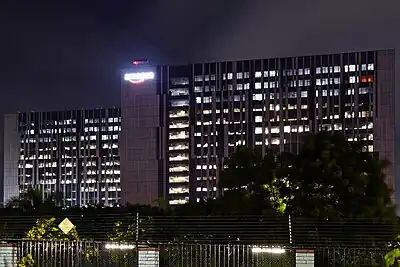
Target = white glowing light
(272,250)
(119,246)
(139,77)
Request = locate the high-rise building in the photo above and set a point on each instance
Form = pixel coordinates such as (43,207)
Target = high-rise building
(188,119)
(72,153)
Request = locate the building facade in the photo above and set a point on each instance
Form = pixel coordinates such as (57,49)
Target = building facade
(188,119)
(72,153)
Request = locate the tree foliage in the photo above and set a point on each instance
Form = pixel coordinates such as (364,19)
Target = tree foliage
(253,183)
(333,178)
(33,199)
(392,258)
(47,229)
(137,228)
(329,178)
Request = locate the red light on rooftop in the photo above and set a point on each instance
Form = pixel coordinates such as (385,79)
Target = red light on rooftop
(139,61)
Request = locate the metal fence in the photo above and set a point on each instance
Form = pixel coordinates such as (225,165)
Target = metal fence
(264,229)
(24,253)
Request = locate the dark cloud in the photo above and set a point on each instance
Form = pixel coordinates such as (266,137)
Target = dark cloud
(66,54)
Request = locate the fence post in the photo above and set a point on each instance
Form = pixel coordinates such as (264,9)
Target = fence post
(137,238)
(290,230)
(137,227)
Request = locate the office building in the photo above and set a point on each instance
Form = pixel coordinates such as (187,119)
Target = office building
(74,153)
(188,119)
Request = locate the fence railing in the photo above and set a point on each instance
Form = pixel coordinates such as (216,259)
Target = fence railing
(282,230)
(83,253)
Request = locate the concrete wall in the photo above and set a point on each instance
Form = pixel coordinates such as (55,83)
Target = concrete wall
(11,156)
(139,137)
(384,119)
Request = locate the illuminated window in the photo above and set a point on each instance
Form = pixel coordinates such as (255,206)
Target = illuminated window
(178,114)
(179,135)
(179,91)
(364,67)
(179,124)
(178,179)
(180,81)
(207,99)
(363,91)
(178,190)
(368,78)
(258,97)
(275,130)
(371,66)
(179,103)
(179,201)
(275,141)
(179,168)
(179,157)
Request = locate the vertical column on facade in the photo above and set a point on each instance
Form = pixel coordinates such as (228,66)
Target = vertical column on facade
(221,126)
(194,161)
(265,104)
(299,65)
(204,129)
(281,92)
(313,93)
(214,137)
(249,115)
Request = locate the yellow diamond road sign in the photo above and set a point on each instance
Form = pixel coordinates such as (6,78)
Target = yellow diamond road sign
(66,226)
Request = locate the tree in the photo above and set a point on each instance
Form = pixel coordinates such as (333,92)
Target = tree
(330,180)
(33,200)
(252,183)
(138,228)
(392,258)
(47,230)
(29,200)
(333,178)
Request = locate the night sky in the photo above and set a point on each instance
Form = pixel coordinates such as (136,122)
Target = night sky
(66,54)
